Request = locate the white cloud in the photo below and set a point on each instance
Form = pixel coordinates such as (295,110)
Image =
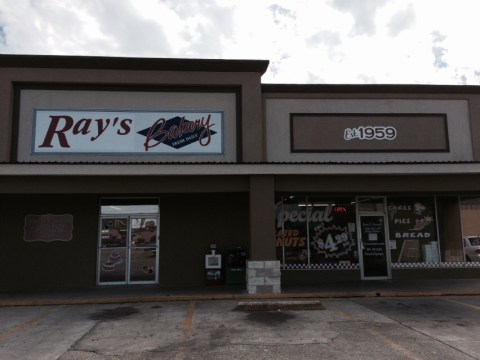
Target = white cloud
(402,20)
(3,39)
(127,31)
(320,41)
(363,12)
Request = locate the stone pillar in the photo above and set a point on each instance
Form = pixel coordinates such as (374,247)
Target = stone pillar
(263,277)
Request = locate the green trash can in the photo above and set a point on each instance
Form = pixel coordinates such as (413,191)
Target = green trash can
(235,266)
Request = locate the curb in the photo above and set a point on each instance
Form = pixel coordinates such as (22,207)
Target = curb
(179,298)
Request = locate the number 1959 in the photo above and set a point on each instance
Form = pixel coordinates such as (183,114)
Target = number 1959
(371,133)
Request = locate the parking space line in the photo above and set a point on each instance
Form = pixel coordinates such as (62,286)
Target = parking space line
(24,325)
(395,345)
(187,325)
(346,316)
(342,314)
(464,304)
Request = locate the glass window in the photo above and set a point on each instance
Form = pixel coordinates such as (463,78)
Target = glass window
(332,236)
(470,217)
(470,213)
(370,204)
(412,228)
(291,231)
(128,209)
(315,231)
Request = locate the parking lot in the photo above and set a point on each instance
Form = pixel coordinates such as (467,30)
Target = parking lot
(445,327)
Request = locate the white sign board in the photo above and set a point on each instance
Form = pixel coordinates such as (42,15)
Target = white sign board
(127,132)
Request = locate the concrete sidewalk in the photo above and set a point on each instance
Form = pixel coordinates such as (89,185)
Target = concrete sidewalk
(149,293)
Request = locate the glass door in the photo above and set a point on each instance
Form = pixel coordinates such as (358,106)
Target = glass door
(128,246)
(112,267)
(143,249)
(374,253)
(373,239)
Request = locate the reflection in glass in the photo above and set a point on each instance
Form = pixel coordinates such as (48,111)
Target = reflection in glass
(144,231)
(470,215)
(114,232)
(371,204)
(128,209)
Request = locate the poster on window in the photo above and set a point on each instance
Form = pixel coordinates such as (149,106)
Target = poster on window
(314,232)
(332,236)
(412,230)
(291,234)
(372,230)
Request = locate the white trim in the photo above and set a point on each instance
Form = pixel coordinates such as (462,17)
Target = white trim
(395,266)
(337,266)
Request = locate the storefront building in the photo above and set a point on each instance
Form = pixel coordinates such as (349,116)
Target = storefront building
(119,171)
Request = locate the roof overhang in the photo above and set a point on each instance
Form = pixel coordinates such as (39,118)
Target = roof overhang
(132,63)
(203,169)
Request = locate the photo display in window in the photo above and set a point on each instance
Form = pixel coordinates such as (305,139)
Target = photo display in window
(412,230)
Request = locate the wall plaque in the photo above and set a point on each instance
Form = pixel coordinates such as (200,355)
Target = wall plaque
(48,228)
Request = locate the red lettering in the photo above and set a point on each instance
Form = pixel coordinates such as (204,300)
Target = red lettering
(175,132)
(152,134)
(206,125)
(82,127)
(101,128)
(125,125)
(187,127)
(60,125)
(60,132)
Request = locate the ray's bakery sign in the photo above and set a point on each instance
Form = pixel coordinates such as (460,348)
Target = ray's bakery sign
(127,132)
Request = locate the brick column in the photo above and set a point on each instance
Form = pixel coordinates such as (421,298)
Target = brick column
(263,277)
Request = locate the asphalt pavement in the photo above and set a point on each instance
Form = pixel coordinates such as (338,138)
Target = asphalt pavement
(360,328)
(149,293)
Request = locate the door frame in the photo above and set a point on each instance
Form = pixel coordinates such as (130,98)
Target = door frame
(384,214)
(128,248)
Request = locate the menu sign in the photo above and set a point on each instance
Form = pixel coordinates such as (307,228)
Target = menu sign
(48,228)
(127,132)
(373,246)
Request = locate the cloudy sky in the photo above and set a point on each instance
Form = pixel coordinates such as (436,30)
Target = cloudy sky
(306,41)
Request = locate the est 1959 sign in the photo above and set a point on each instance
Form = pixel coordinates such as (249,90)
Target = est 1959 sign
(370,133)
(127,132)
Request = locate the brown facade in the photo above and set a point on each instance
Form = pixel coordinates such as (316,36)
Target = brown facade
(288,180)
